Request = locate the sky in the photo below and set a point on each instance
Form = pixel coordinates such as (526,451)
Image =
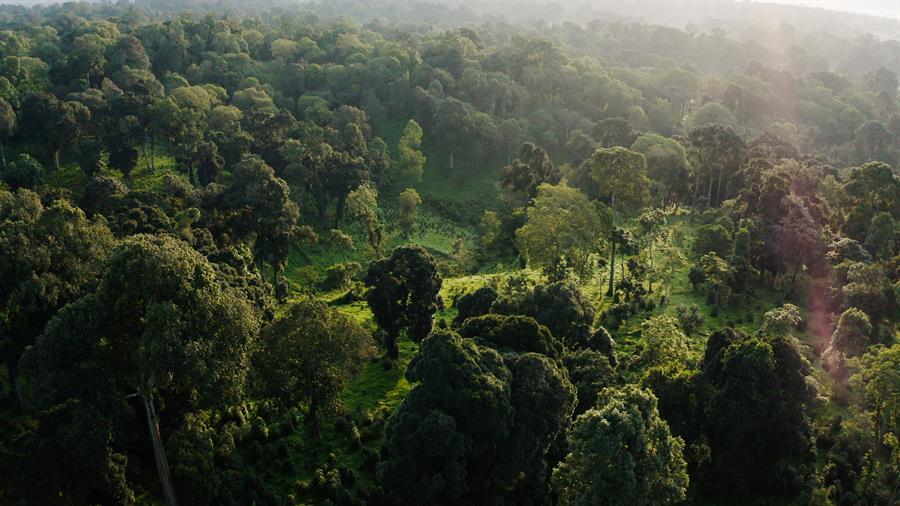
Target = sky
(884,8)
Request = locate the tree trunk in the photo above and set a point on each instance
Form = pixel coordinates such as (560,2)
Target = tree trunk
(612,267)
(56,159)
(152,152)
(162,464)
(3,155)
(709,192)
(696,193)
(314,419)
(451,161)
(612,247)
(390,342)
(719,186)
(793,280)
(340,205)
(146,148)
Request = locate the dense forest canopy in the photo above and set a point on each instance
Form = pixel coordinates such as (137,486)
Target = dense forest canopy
(360,252)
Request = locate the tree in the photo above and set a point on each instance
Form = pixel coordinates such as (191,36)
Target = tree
(89,155)
(404,294)
(517,333)
(871,141)
(760,389)
(561,224)
(162,329)
(866,288)
(740,260)
(454,123)
(345,173)
(307,356)
(622,452)
(719,154)
(689,318)
(877,374)
(880,237)
(51,256)
(851,336)
(7,127)
(651,227)
(560,306)
(262,212)
(614,132)
(122,142)
(58,124)
(474,304)
(363,206)
(409,200)
(867,191)
(23,172)
(619,176)
(712,113)
(663,342)
(667,163)
(412,161)
(529,171)
(476,427)
(717,274)
(590,371)
(798,240)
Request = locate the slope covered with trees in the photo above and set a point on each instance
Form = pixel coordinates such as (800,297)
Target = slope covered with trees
(414,253)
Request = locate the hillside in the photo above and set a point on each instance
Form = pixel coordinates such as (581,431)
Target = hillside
(424,253)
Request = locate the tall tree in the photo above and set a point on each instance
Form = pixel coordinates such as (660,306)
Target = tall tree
(529,170)
(667,163)
(409,201)
(719,154)
(7,127)
(261,211)
(404,294)
(412,161)
(562,224)
(51,256)
(867,191)
(163,330)
(478,425)
(619,177)
(622,452)
(307,356)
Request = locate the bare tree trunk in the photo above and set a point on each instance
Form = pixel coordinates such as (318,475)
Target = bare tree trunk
(612,247)
(152,151)
(162,463)
(719,186)
(612,267)
(146,150)
(3,155)
(793,280)
(696,193)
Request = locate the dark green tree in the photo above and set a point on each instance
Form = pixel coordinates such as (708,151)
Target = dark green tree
(404,294)
(622,452)
(162,329)
(51,256)
(307,356)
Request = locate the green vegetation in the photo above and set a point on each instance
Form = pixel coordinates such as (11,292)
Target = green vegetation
(357,252)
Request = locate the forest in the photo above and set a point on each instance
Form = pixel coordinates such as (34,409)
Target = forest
(359,252)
